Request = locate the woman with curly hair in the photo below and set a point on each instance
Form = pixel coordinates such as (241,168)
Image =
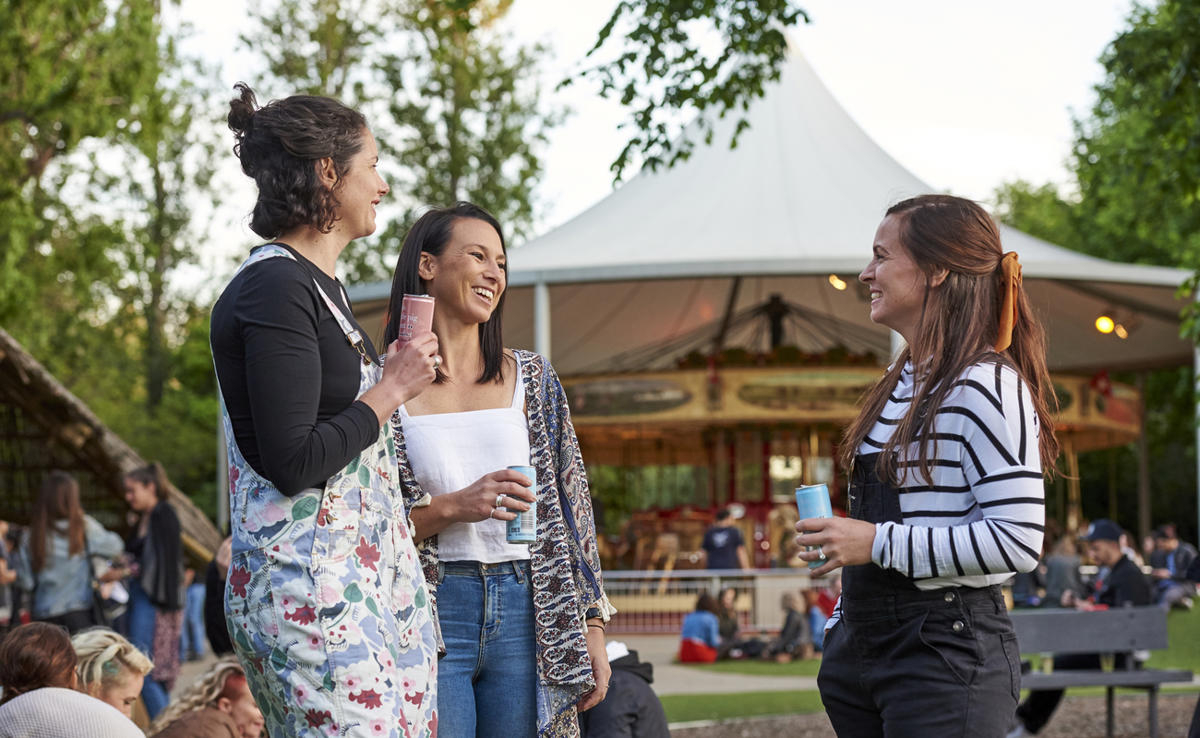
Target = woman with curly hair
(110,668)
(40,700)
(217,705)
(325,602)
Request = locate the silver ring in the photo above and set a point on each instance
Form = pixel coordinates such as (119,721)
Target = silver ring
(437,361)
(499,501)
(492,513)
(820,553)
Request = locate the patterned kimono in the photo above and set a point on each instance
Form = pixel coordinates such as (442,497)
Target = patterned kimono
(565,563)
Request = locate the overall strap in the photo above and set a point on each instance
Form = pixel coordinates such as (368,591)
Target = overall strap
(353,336)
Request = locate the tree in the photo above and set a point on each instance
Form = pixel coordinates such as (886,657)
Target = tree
(456,107)
(71,71)
(664,73)
(1137,157)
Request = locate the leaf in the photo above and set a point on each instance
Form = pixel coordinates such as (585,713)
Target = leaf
(305,508)
(278,659)
(374,608)
(352,593)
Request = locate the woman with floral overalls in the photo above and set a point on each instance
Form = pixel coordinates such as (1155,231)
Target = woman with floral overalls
(325,601)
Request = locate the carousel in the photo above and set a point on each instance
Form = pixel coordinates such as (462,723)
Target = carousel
(714,341)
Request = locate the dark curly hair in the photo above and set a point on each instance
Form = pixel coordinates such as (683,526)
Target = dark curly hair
(279,144)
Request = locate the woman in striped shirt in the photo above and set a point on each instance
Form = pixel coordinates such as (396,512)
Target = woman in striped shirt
(946,495)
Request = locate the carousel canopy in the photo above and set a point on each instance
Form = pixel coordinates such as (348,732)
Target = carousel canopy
(689,258)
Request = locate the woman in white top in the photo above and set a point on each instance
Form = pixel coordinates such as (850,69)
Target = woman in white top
(946,494)
(523,624)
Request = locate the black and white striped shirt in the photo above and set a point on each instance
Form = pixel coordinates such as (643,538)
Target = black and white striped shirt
(981,517)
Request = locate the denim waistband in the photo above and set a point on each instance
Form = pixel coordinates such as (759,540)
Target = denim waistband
(900,602)
(480,569)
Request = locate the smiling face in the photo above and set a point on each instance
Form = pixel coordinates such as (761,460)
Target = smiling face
(468,278)
(122,693)
(897,284)
(360,190)
(242,708)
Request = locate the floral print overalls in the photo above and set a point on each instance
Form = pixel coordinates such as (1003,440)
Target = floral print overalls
(325,599)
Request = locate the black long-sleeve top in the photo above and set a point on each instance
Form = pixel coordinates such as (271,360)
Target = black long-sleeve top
(288,375)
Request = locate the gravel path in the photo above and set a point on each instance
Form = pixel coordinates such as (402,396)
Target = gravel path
(1077,717)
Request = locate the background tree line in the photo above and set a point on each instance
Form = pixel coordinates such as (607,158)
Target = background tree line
(110,138)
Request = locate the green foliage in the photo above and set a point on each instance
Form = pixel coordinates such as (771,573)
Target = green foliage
(664,70)
(448,98)
(1137,157)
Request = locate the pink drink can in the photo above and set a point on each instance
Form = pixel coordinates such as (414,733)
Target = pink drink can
(812,500)
(416,315)
(523,529)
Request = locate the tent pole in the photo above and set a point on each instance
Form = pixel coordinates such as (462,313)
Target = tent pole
(541,319)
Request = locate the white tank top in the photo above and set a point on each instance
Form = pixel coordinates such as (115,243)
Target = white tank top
(450,451)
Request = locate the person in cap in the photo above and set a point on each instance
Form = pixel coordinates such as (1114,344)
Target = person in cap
(1124,585)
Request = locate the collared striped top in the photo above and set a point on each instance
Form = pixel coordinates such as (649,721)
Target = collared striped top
(980,519)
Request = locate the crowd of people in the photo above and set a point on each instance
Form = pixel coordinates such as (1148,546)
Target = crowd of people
(372,585)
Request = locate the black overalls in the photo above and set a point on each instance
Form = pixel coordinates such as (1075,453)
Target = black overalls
(912,663)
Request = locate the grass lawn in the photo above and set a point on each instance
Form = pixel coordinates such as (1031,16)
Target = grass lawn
(1184,653)
(682,708)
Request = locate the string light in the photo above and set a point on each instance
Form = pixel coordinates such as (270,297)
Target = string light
(837,282)
(1105,324)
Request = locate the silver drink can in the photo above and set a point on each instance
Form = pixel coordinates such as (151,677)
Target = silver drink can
(812,500)
(523,528)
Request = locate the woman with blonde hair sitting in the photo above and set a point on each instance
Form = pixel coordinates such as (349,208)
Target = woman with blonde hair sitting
(110,668)
(217,705)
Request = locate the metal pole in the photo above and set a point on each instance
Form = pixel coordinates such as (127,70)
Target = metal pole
(1196,400)
(541,319)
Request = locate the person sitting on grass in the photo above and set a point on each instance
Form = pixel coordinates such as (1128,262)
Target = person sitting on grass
(795,638)
(38,679)
(700,636)
(110,668)
(217,705)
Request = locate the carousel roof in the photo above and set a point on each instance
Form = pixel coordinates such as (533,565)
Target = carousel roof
(798,200)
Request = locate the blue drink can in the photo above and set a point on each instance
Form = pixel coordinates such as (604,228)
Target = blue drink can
(523,529)
(812,500)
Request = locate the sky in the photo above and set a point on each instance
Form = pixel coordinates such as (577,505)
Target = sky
(966,95)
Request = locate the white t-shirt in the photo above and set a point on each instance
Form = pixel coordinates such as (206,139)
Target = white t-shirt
(53,712)
(450,451)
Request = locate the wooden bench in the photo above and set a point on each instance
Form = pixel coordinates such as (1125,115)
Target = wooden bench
(1117,631)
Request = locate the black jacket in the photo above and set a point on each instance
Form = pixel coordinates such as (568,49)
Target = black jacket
(631,708)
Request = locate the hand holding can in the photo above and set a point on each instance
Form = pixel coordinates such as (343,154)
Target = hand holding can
(523,528)
(416,316)
(812,501)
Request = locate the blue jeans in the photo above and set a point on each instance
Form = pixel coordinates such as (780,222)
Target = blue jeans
(487,682)
(192,634)
(141,634)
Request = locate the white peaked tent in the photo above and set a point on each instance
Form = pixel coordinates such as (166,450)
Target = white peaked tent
(688,259)
(651,271)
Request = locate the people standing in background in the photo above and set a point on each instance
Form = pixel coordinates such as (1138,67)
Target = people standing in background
(8,577)
(946,462)
(110,668)
(191,642)
(723,544)
(1169,563)
(155,546)
(55,566)
(215,626)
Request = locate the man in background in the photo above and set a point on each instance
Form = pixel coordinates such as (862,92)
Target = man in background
(723,544)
